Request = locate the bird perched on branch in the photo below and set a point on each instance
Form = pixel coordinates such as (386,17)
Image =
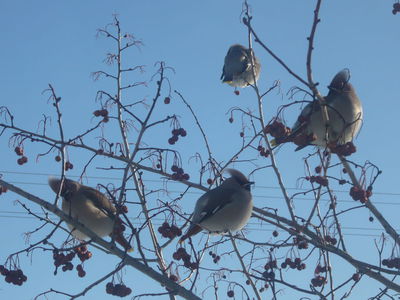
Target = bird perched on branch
(91,208)
(226,208)
(237,70)
(345,116)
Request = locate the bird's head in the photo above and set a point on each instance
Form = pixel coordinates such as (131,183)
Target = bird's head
(69,186)
(340,83)
(240,179)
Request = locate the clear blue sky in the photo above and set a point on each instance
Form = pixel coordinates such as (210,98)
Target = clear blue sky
(55,42)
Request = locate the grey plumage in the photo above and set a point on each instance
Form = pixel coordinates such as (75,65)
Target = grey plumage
(226,208)
(90,207)
(237,70)
(344,110)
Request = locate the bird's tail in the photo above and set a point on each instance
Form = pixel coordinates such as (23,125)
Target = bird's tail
(120,239)
(195,229)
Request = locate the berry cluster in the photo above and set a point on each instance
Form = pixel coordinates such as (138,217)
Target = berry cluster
(168,231)
(392,262)
(68,166)
(102,113)
(167,100)
(182,254)
(321,269)
(83,253)
(15,277)
(278,130)
(64,260)
(293,264)
(318,179)
(300,242)
(272,264)
(20,152)
(81,271)
(343,150)
(318,281)
(330,240)
(396,8)
(179,174)
(3,189)
(175,135)
(269,275)
(120,290)
(359,194)
(269,267)
(216,258)
(263,151)
(303,139)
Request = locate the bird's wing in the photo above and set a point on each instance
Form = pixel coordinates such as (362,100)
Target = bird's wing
(309,109)
(99,200)
(205,207)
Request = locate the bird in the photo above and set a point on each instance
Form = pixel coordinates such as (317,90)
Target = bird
(237,70)
(223,209)
(345,114)
(91,208)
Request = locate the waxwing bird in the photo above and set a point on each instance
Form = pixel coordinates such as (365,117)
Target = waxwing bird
(91,208)
(344,110)
(237,70)
(226,208)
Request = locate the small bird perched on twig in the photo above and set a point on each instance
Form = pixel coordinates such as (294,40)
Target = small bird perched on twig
(226,208)
(344,110)
(91,208)
(345,117)
(237,70)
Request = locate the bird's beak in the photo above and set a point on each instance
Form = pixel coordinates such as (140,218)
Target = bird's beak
(249,183)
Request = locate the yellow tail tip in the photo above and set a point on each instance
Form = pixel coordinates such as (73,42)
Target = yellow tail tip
(273,142)
(130,250)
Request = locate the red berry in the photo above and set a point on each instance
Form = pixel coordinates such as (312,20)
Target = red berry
(242,134)
(318,169)
(356,277)
(231,294)
(19,151)
(57,158)
(237,92)
(209,181)
(275,233)
(167,100)
(96,113)
(230,120)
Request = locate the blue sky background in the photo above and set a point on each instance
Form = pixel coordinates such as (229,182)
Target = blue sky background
(55,42)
